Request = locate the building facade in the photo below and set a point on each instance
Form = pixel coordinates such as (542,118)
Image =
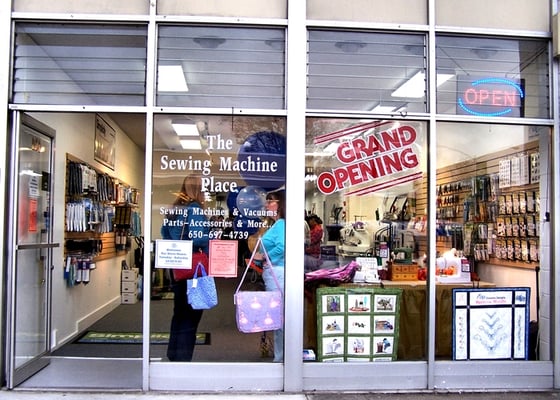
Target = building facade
(426,134)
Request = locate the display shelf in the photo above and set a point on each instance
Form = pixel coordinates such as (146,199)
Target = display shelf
(90,229)
(488,208)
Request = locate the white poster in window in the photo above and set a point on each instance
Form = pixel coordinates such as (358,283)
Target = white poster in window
(176,254)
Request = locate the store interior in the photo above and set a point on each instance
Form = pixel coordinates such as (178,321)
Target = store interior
(354,227)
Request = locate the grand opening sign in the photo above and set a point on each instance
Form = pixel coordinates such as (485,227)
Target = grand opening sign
(372,158)
(490,97)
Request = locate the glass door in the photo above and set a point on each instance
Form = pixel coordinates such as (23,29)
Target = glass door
(29,276)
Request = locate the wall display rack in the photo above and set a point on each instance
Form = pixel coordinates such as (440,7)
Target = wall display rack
(100,216)
(357,325)
(489,208)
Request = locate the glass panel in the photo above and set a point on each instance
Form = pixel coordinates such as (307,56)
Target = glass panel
(492,186)
(366,187)
(221,67)
(362,71)
(234,162)
(80,64)
(225,8)
(31,324)
(72,6)
(33,228)
(493,77)
(369,11)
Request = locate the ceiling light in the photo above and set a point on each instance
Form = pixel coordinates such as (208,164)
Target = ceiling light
(29,172)
(190,144)
(328,151)
(383,109)
(185,128)
(485,52)
(350,46)
(415,49)
(416,86)
(171,78)
(209,42)
(275,44)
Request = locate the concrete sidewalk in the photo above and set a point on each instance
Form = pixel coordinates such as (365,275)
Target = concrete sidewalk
(77,395)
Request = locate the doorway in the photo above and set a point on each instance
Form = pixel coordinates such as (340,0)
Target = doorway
(30,264)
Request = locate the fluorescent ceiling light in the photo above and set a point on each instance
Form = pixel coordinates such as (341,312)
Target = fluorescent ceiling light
(415,86)
(383,109)
(185,129)
(190,144)
(29,172)
(171,78)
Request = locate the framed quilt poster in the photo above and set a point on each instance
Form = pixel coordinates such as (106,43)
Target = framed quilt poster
(357,325)
(491,324)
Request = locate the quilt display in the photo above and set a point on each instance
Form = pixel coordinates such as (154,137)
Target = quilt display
(491,324)
(357,325)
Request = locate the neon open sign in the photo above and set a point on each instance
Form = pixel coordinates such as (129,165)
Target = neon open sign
(490,97)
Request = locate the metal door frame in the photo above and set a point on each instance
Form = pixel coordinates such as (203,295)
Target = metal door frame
(14,376)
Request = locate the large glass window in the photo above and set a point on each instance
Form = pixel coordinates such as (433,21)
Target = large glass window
(362,71)
(493,77)
(205,66)
(493,194)
(80,64)
(366,190)
(229,166)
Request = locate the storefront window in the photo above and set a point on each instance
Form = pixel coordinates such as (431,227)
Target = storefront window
(382,73)
(233,168)
(80,64)
(492,194)
(221,67)
(366,190)
(493,77)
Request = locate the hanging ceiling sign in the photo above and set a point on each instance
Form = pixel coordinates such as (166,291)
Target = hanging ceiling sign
(490,97)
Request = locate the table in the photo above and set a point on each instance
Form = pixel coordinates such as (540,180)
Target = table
(413,317)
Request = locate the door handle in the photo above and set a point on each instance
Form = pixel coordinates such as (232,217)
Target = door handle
(37,246)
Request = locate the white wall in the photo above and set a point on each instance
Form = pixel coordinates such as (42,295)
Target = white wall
(75,308)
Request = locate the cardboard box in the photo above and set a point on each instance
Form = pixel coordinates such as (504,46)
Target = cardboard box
(128,287)
(129,298)
(129,275)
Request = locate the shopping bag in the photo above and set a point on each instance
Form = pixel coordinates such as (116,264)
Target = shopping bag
(201,290)
(198,257)
(258,311)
